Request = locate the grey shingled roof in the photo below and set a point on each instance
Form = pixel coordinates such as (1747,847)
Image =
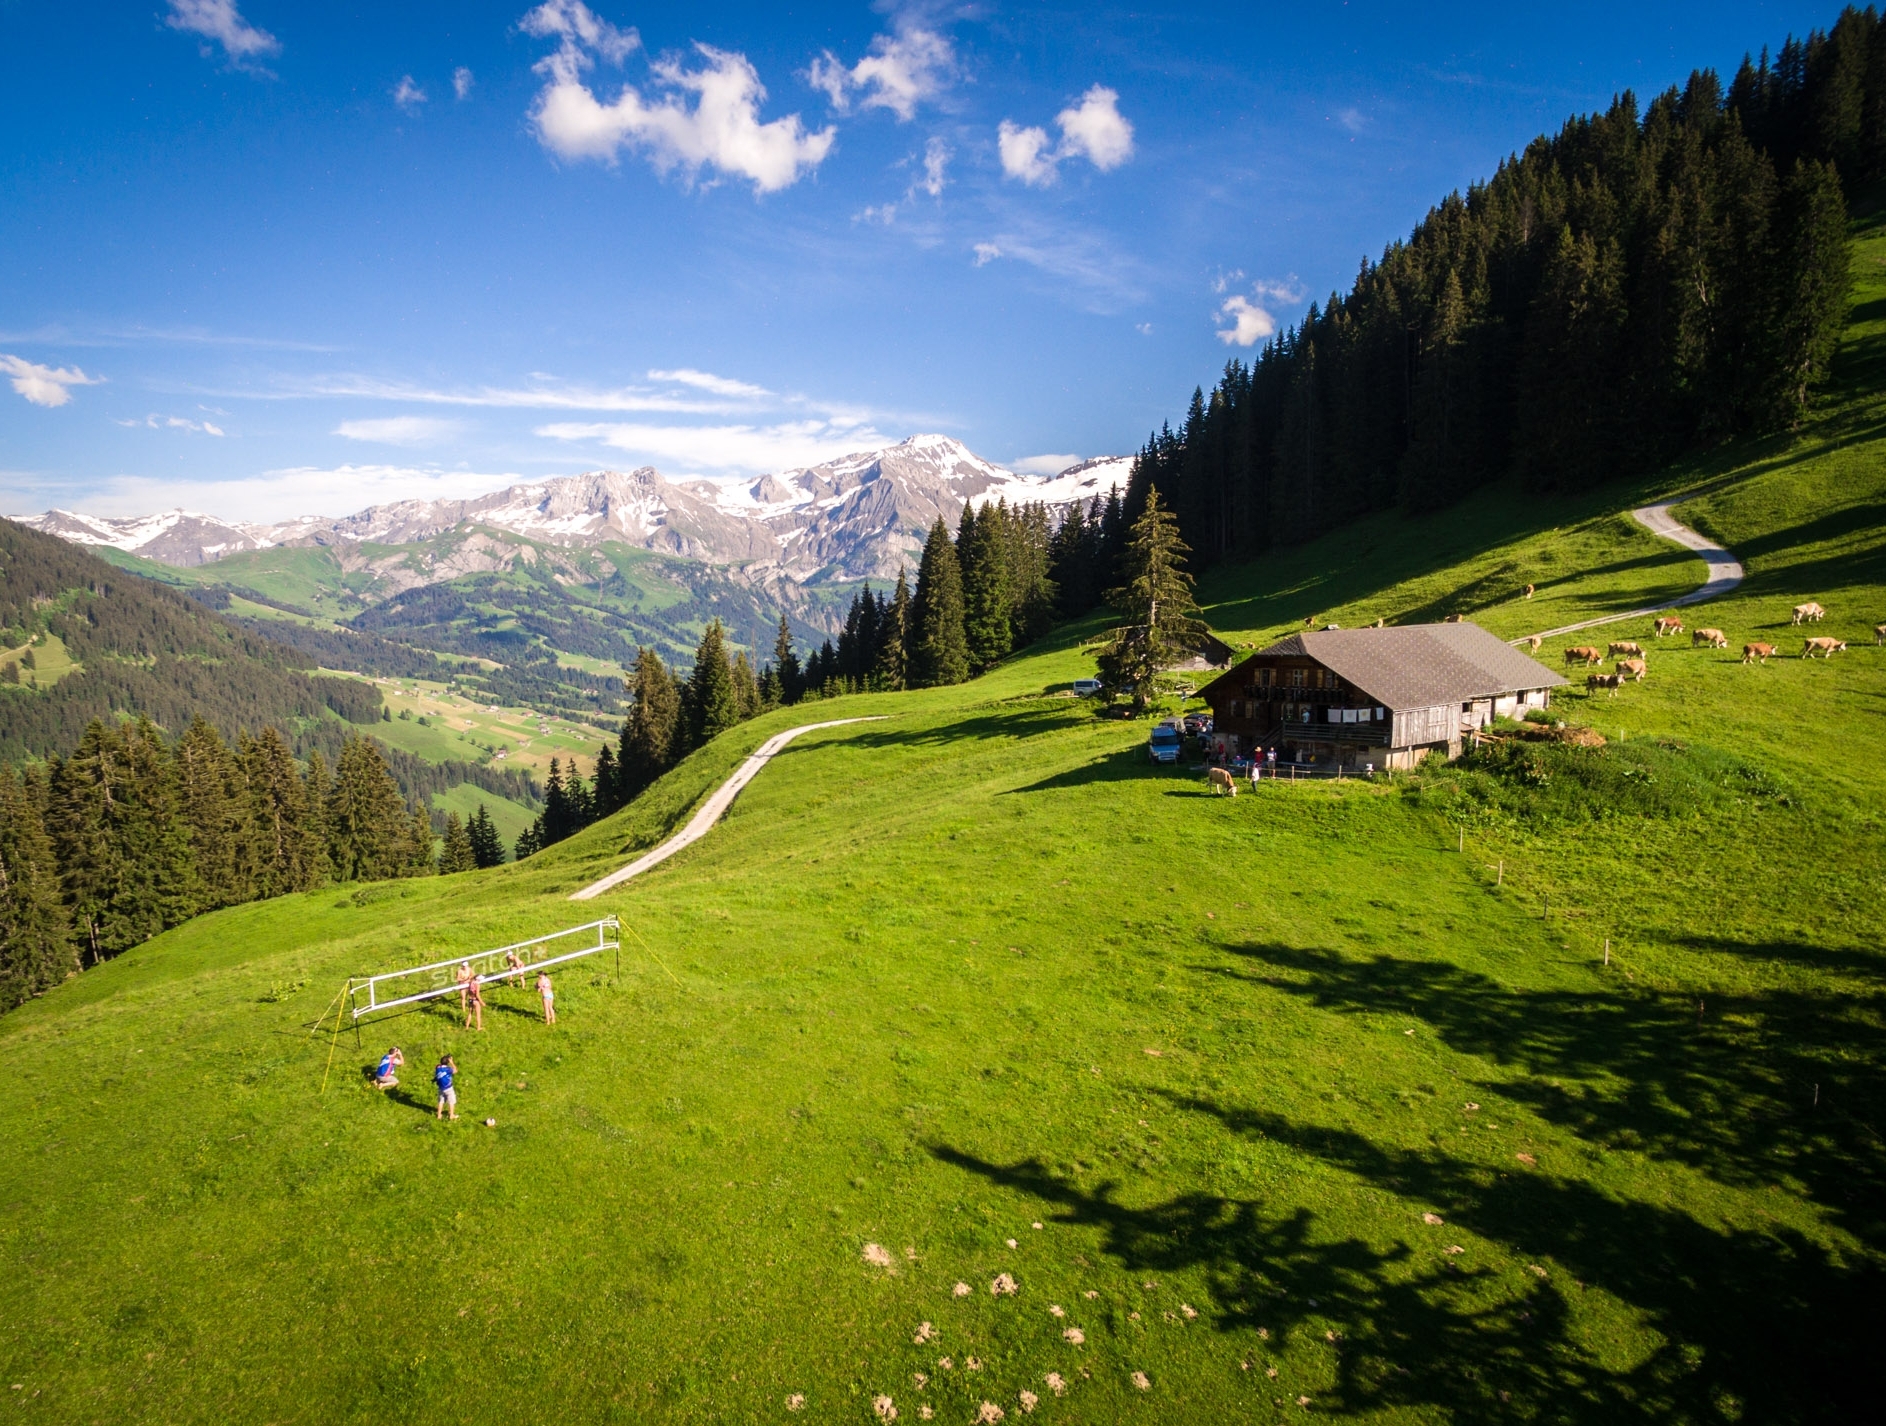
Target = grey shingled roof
(1420,665)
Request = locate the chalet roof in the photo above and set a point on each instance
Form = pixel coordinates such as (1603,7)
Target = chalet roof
(1417,665)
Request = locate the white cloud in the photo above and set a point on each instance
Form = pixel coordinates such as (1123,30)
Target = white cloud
(707,381)
(1025,153)
(399,430)
(219,20)
(721,128)
(746,449)
(44,385)
(898,74)
(1351,119)
(1097,129)
(462,82)
(936,158)
(408,95)
(1044,465)
(173,423)
(286,493)
(1094,130)
(1250,323)
(542,397)
(1145,329)
(1084,257)
(987,253)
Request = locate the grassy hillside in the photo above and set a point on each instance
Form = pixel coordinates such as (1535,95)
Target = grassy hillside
(1331,1081)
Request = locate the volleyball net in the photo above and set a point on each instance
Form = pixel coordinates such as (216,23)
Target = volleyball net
(389,990)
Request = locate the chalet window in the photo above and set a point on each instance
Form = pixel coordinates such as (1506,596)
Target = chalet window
(1296,678)
(1264,677)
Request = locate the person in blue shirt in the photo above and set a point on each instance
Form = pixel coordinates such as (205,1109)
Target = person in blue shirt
(384,1076)
(443,1075)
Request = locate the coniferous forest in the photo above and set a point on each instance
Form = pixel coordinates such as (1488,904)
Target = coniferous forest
(1637,286)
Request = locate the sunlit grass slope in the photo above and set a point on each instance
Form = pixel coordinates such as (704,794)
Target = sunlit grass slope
(1330,1081)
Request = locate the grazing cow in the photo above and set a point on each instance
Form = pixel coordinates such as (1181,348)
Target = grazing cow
(1529,591)
(1452,619)
(1625,646)
(1879,635)
(1715,638)
(1826,648)
(1758,653)
(1218,778)
(1810,611)
(1633,668)
(1584,654)
(1308,622)
(1668,625)
(1536,642)
(1612,681)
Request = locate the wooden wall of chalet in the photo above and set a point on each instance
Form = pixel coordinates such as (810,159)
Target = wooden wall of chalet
(1439,724)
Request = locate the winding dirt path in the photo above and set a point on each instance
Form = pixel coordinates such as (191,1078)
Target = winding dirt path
(1725,571)
(702,822)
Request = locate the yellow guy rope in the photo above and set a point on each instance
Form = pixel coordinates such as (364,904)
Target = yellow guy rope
(337,1031)
(651,954)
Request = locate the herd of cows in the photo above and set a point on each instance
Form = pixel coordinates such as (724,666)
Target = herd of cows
(1632,665)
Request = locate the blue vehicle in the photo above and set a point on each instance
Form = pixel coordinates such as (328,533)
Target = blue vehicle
(1164,744)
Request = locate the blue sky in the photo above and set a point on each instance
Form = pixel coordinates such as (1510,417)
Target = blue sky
(266,259)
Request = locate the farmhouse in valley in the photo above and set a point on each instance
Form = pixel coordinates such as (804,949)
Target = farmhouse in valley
(1346,697)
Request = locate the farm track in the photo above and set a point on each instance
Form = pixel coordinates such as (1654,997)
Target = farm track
(702,822)
(1725,571)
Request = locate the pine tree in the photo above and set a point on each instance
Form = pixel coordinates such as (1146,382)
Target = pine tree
(890,671)
(36,950)
(786,665)
(418,854)
(607,796)
(288,853)
(936,650)
(649,734)
(981,554)
(457,855)
(486,848)
(556,821)
(529,841)
(746,687)
(317,787)
(215,801)
(711,703)
(1156,604)
(369,834)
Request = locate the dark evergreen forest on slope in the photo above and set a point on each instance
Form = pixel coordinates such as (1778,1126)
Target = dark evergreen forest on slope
(1636,286)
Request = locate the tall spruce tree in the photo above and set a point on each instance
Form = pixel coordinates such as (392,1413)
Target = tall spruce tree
(937,651)
(607,795)
(650,733)
(711,704)
(289,852)
(981,553)
(36,950)
(891,672)
(457,854)
(215,799)
(1157,607)
(786,665)
(369,833)
(746,687)
(487,847)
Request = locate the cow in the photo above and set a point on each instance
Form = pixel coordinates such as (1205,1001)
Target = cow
(1331,626)
(1810,611)
(1758,653)
(1879,635)
(1452,619)
(1667,625)
(1612,681)
(1624,646)
(1714,638)
(1529,591)
(1309,621)
(1633,668)
(1826,648)
(1218,778)
(1584,654)
(1377,624)
(1536,642)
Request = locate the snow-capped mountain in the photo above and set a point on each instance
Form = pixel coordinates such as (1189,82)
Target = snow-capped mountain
(860,516)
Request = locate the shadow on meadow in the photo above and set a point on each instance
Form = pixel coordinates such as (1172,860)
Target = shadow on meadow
(1733,1097)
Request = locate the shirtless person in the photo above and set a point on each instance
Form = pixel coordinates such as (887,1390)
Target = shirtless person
(513,969)
(550,997)
(474,1004)
(464,977)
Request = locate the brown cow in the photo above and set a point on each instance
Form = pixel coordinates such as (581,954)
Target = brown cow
(1625,646)
(1810,611)
(1536,642)
(1529,591)
(1452,619)
(1758,653)
(1879,635)
(1633,668)
(1826,648)
(1584,654)
(1669,625)
(1612,681)
(1715,638)
(1218,778)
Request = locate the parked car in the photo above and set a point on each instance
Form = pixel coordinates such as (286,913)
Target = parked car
(1086,687)
(1164,744)
(1197,725)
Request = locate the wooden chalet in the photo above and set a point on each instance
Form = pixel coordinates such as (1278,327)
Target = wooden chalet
(1387,697)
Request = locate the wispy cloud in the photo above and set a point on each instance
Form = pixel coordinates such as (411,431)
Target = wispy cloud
(544,397)
(243,44)
(462,82)
(987,253)
(1094,130)
(1082,257)
(408,95)
(44,385)
(399,430)
(281,494)
(707,381)
(174,423)
(898,73)
(1044,465)
(751,450)
(709,118)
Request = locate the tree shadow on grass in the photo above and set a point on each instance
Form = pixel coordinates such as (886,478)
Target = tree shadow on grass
(1126,765)
(1027,720)
(1772,1088)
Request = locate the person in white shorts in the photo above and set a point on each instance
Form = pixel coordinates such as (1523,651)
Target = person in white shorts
(549,995)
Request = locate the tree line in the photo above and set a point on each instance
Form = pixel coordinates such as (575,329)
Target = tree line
(1624,291)
(128,836)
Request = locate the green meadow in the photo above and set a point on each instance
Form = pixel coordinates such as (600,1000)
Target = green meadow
(1545,1087)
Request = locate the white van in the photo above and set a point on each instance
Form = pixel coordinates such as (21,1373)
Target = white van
(1086,687)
